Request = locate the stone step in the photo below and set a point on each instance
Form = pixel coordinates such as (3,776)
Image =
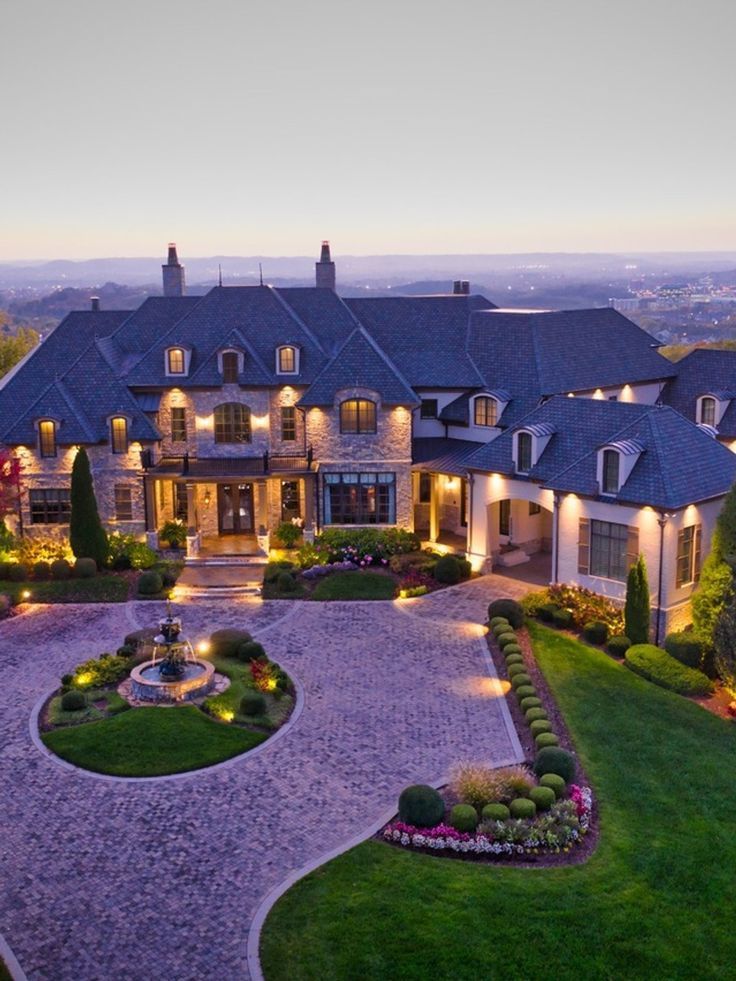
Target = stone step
(219,592)
(240,560)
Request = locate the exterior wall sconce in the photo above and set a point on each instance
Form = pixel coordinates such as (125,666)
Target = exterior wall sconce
(207,498)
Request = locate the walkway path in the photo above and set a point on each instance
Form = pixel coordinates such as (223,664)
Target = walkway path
(110,880)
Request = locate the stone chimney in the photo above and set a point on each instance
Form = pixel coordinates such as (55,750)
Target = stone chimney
(325,268)
(461,287)
(94,303)
(173,273)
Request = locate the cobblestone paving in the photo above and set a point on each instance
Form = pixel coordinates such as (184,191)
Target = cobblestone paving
(111,880)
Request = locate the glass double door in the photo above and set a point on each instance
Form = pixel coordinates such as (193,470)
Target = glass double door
(235,509)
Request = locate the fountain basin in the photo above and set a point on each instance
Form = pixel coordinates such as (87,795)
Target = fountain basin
(196,681)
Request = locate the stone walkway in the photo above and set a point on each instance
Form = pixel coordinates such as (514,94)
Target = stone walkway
(112,880)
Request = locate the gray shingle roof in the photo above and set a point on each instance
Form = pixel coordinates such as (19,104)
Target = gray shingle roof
(704,372)
(438,455)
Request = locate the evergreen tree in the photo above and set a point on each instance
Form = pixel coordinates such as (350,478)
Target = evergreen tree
(726,527)
(87,536)
(636,611)
(715,590)
(724,641)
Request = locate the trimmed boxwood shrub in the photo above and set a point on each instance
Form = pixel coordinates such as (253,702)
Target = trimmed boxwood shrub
(657,666)
(618,646)
(286,582)
(85,568)
(514,669)
(421,806)
(512,659)
(525,691)
(534,713)
(250,650)
(562,619)
(73,701)
(463,817)
(502,628)
(60,569)
(41,570)
(448,570)
(685,648)
(555,781)
(512,649)
(520,680)
(522,807)
(547,612)
(553,759)
(596,632)
(150,583)
(227,642)
(540,725)
(494,622)
(138,639)
(543,797)
(506,640)
(530,703)
(546,739)
(253,703)
(508,608)
(495,812)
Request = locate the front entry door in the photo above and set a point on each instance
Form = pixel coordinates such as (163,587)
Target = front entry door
(235,509)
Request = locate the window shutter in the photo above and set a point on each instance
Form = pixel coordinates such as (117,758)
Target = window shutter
(696,552)
(584,547)
(632,546)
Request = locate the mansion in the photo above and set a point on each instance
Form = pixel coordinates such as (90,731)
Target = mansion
(562,438)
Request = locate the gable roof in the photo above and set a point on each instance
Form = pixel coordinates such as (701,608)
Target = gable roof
(432,454)
(705,371)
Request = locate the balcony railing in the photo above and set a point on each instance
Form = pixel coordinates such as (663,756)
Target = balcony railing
(227,466)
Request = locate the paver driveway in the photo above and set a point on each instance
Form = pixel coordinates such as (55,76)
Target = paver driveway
(159,879)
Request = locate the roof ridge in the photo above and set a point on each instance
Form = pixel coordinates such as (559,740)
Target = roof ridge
(382,354)
(75,408)
(297,319)
(173,327)
(234,332)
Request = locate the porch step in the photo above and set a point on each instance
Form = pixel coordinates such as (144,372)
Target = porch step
(221,592)
(213,560)
(516,556)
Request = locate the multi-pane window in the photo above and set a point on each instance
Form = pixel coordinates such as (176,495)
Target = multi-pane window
(175,361)
(181,508)
(708,411)
(524,452)
(358,416)
(287,360)
(360,498)
(288,423)
(47,437)
(607,549)
(290,504)
(232,423)
(425,488)
(51,506)
(178,424)
(504,517)
(485,412)
(688,555)
(119,434)
(428,409)
(123,502)
(230,367)
(610,476)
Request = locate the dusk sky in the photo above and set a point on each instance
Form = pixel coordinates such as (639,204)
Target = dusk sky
(238,127)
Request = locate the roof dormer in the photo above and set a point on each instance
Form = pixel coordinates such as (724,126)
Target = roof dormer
(615,463)
(711,407)
(287,359)
(486,408)
(230,364)
(529,444)
(176,361)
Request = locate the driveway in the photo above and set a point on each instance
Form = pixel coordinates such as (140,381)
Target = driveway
(106,879)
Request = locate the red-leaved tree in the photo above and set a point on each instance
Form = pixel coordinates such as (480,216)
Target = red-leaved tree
(10,474)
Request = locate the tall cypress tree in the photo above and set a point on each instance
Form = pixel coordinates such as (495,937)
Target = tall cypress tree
(636,611)
(86,535)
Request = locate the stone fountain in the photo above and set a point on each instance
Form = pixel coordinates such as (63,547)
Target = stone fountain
(173,674)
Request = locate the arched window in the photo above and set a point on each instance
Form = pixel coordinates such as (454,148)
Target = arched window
(486,411)
(524,452)
(47,437)
(610,476)
(175,361)
(232,423)
(287,360)
(707,411)
(119,434)
(358,416)
(230,367)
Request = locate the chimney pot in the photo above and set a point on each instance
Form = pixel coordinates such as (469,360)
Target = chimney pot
(461,287)
(173,273)
(95,303)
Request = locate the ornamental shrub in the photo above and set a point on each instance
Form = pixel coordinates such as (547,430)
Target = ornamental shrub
(562,619)
(547,612)
(636,610)
(595,632)
(85,568)
(475,783)
(421,806)
(87,537)
(494,622)
(140,639)
(250,650)
(288,534)
(505,640)
(514,669)
(685,648)
(546,739)
(533,601)
(523,807)
(41,571)
(18,572)
(173,532)
(543,797)
(514,659)
(519,780)
(714,592)
(511,649)
(448,570)
(553,759)
(555,782)
(495,812)
(463,817)
(508,608)
(540,725)
(521,681)
(502,628)
(525,691)
(529,703)
(286,582)
(73,701)
(253,703)
(657,666)
(618,645)
(150,583)
(534,714)
(725,648)
(227,642)
(274,569)
(585,606)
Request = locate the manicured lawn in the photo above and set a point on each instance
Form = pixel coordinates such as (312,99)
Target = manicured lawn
(355,586)
(148,742)
(656,899)
(101,589)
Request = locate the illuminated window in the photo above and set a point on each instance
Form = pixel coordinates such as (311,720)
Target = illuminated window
(611,463)
(425,488)
(47,437)
(358,416)
(287,360)
(230,367)
(360,498)
(123,502)
(119,434)
(688,555)
(175,361)
(51,506)
(288,423)
(486,411)
(707,411)
(232,423)
(178,424)
(607,549)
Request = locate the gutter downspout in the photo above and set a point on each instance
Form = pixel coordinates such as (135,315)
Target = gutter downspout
(556,521)
(661,521)
(471,482)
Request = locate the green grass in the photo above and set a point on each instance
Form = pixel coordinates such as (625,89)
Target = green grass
(239,675)
(355,586)
(107,588)
(658,666)
(149,742)
(654,901)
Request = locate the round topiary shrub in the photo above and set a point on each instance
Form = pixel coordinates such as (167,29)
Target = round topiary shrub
(41,571)
(85,568)
(555,782)
(561,619)
(448,570)
(66,680)
(508,608)
(534,714)
(596,632)
(685,648)
(495,812)
(514,669)
(73,701)
(521,681)
(523,807)
(540,725)
(618,646)
(494,622)
(18,572)
(543,797)
(505,640)
(60,569)
(139,639)
(169,576)
(250,650)
(502,628)
(530,702)
(227,642)
(525,691)
(253,703)
(463,817)
(546,739)
(421,806)
(286,582)
(553,759)
(512,659)
(547,612)
(511,649)
(150,584)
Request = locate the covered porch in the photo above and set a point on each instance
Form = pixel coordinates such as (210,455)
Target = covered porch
(441,490)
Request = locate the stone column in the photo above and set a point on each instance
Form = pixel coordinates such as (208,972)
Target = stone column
(149,492)
(193,542)
(434,508)
(308,514)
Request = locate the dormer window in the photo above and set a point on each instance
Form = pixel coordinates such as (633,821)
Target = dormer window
(610,479)
(615,464)
(707,414)
(47,438)
(529,444)
(287,360)
(230,367)
(176,361)
(119,434)
(485,412)
(524,453)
